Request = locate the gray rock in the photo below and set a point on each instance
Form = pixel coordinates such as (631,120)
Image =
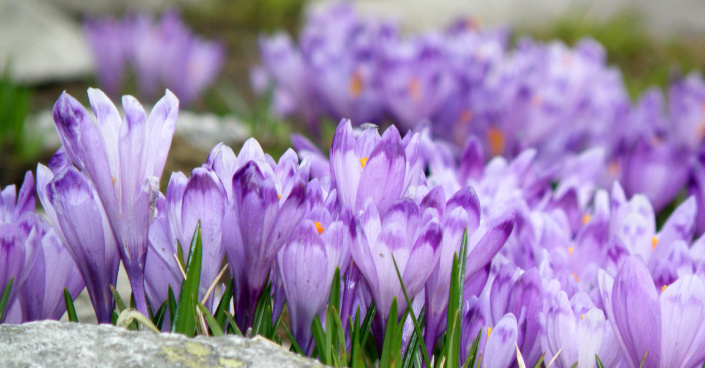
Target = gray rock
(61,344)
(41,43)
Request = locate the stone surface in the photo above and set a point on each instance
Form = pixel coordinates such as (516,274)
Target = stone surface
(61,344)
(41,43)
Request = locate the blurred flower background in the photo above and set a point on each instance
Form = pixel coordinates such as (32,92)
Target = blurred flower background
(270,68)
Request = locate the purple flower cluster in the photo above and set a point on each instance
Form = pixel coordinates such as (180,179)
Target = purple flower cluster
(160,54)
(556,266)
(465,81)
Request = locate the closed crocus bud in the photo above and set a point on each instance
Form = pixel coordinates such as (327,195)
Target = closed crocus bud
(307,264)
(401,233)
(53,270)
(266,215)
(498,341)
(77,215)
(370,166)
(124,159)
(666,330)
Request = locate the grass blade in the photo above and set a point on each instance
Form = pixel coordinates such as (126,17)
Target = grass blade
(389,346)
(367,323)
(212,323)
(5,297)
(319,338)
(119,304)
(223,305)
(69,306)
(417,329)
(600,365)
(184,320)
(130,316)
(472,354)
(413,343)
(294,344)
(171,303)
(158,319)
(232,326)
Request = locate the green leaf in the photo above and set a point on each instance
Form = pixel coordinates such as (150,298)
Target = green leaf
(212,323)
(223,306)
(600,365)
(232,326)
(356,359)
(69,306)
(120,305)
(294,344)
(417,329)
(540,362)
(413,343)
(171,303)
(334,296)
(158,319)
(265,299)
(319,338)
(184,320)
(472,354)
(451,349)
(389,347)
(5,297)
(367,323)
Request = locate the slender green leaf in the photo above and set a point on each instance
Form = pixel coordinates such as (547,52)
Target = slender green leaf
(232,326)
(319,338)
(413,343)
(184,321)
(5,297)
(520,358)
(212,323)
(451,349)
(356,359)
(472,354)
(264,300)
(118,300)
(417,329)
(334,297)
(294,344)
(158,319)
(367,323)
(540,362)
(171,303)
(390,338)
(223,305)
(600,365)
(69,306)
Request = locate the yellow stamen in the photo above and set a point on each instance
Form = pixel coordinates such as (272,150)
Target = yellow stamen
(496,139)
(279,196)
(571,249)
(319,227)
(582,316)
(489,332)
(363,162)
(663,288)
(114,180)
(575,276)
(415,89)
(654,242)
(586,218)
(355,85)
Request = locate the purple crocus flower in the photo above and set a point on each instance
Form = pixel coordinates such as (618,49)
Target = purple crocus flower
(109,43)
(686,111)
(124,161)
(409,235)
(665,330)
(307,264)
(268,203)
(52,270)
(188,201)
(21,232)
(461,212)
(76,212)
(498,341)
(371,166)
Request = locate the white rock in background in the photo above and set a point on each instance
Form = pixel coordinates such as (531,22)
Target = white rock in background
(41,43)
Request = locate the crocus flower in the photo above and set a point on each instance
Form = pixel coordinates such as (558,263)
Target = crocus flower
(665,330)
(20,234)
(77,215)
(406,234)
(124,160)
(266,209)
(371,166)
(498,341)
(109,43)
(52,271)
(307,264)
(460,213)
